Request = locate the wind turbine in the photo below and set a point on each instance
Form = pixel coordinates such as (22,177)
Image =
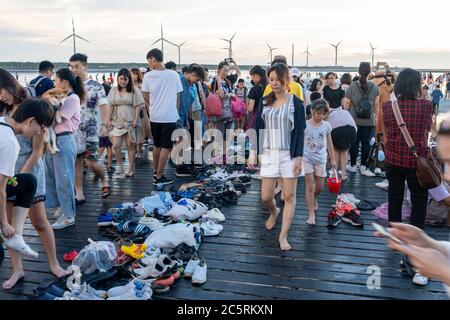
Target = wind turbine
(179,49)
(162,39)
(293,53)
(230,47)
(307,55)
(335,46)
(271,51)
(372,53)
(74,35)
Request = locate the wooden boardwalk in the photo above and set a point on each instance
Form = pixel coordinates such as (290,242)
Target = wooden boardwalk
(244,261)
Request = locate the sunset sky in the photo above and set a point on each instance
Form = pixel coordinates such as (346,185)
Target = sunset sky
(407,33)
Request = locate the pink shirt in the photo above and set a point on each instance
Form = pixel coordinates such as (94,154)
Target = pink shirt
(70,113)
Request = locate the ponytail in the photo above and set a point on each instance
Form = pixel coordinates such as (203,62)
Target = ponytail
(364,71)
(75,82)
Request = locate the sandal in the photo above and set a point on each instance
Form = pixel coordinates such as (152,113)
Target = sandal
(70,256)
(106,191)
(135,251)
(111,170)
(80,202)
(122,259)
(129,174)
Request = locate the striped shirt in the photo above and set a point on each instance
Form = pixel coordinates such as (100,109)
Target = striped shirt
(279,124)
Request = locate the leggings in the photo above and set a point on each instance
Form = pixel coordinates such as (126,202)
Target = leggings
(24,191)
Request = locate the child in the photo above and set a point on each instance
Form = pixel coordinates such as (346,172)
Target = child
(30,119)
(317,143)
(437,96)
(241,94)
(313,97)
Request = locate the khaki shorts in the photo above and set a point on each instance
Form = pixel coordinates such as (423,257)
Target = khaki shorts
(319,170)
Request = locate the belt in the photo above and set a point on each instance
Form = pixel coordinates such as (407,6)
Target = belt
(63,134)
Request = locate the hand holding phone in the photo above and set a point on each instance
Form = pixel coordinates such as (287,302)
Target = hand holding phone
(386,233)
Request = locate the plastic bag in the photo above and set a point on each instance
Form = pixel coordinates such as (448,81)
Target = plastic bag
(96,256)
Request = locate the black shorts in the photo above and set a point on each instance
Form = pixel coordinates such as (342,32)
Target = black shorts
(343,137)
(162,134)
(24,191)
(104,142)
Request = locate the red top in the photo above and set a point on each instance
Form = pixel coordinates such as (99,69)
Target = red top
(417,115)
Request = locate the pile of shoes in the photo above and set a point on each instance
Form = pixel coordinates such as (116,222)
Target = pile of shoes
(345,209)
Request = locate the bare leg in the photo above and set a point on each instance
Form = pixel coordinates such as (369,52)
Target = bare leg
(156,154)
(343,160)
(40,223)
(99,172)
(163,157)
(319,184)
(268,199)
(310,199)
(131,155)
(290,201)
(117,144)
(109,156)
(79,179)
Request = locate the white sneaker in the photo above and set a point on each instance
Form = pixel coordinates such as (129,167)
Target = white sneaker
(150,258)
(63,222)
(84,292)
(256,176)
(211,229)
(187,209)
(420,280)
(135,284)
(366,172)
(190,267)
(153,270)
(17,243)
(352,169)
(377,171)
(383,185)
(199,276)
(152,223)
(214,214)
(134,294)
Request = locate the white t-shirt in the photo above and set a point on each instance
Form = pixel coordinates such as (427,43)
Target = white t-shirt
(9,150)
(163,86)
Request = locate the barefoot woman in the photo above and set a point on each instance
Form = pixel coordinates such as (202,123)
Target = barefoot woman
(283,116)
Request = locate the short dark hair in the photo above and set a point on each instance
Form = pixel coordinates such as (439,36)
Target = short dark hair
(330,74)
(171,65)
(155,53)
(79,57)
(279,59)
(45,66)
(346,79)
(38,109)
(315,96)
(222,64)
(320,105)
(408,84)
(197,69)
(241,81)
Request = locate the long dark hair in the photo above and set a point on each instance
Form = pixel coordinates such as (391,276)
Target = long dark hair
(10,84)
(313,86)
(364,71)
(127,74)
(408,85)
(282,72)
(138,74)
(75,82)
(258,70)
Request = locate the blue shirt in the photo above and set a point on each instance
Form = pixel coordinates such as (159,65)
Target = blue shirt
(185,100)
(437,96)
(43,86)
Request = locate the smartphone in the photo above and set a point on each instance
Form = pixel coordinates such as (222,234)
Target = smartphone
(386,233)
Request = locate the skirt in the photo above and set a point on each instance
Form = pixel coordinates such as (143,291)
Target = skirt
(343,137)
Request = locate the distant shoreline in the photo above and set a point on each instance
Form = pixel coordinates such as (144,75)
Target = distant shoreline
(107,67)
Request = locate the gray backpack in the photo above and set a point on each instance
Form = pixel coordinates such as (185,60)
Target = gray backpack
(32,88)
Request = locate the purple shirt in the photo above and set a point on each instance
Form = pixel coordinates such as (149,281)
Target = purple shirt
(70,113)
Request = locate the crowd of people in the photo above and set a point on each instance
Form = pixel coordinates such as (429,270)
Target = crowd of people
(294,126)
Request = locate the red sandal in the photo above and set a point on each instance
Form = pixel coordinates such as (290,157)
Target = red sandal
(70,256)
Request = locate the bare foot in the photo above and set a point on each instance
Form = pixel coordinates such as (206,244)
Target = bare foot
(271,222)
(311,220)
(11,282)
(58,271)
(284,244)
(343,178)
(316,206)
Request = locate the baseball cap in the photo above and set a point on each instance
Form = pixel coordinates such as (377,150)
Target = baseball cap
(295,72)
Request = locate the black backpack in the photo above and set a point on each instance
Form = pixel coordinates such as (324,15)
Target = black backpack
(364,108)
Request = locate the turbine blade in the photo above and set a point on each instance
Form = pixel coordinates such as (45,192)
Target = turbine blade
(182,43)
(81,38)
(268,46)
(170,42)
(339,43)
(67,38)
(224,39)
(233,36)
(157,41)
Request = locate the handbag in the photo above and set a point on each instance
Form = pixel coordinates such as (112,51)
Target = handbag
(214,106)
(429,174)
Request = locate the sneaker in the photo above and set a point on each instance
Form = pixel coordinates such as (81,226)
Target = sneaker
(383,185)
(152,223)
(17,244)
(183,171)
(134,284)
(84,292)
(153,270)
(199,276)
(352,169)
(187,209)
(63,222)
(150,258)
(135,294)
(163,181)
(190,267)
(105,220)
(366,172)
(378,171)
(214,214)
(420,280)
(333,219)
(353,218)
(211,229)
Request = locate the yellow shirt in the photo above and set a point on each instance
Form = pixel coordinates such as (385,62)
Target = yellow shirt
(294,87)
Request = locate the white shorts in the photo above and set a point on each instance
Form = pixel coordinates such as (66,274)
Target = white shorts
(277,164)
(319,170)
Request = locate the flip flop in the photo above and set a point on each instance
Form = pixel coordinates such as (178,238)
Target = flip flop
(70,256)
(106,191)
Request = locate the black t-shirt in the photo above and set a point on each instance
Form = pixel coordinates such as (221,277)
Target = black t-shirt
(107,88)
(333,96)
(256,93)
